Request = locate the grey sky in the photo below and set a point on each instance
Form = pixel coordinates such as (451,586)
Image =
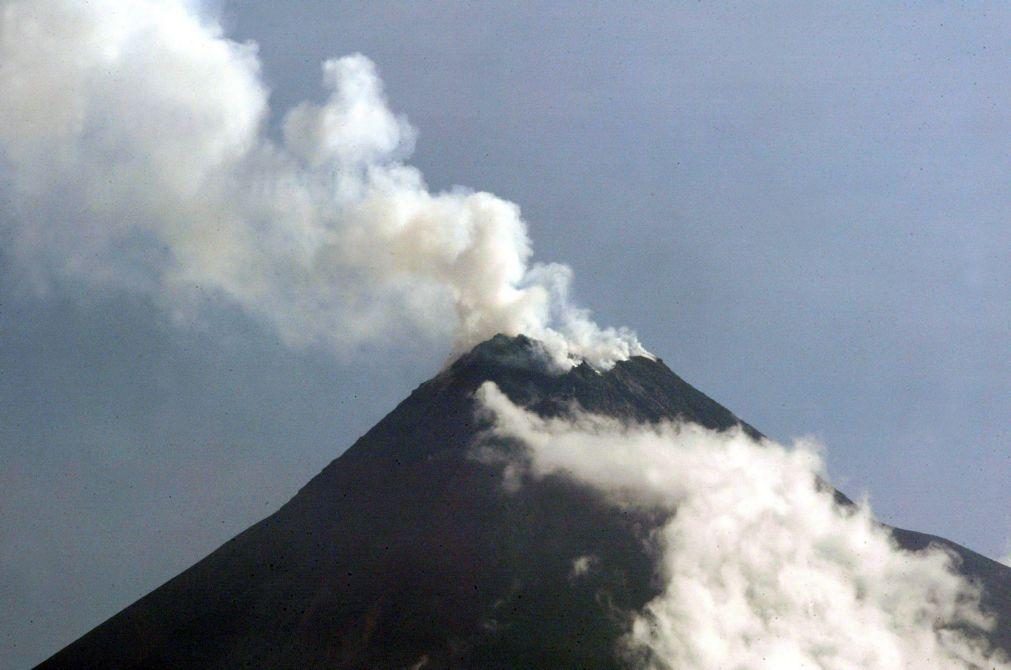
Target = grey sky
(803,209)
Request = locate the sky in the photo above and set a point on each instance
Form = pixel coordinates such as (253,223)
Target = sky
(801,208)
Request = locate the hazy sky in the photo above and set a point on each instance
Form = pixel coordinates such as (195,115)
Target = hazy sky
(802,209)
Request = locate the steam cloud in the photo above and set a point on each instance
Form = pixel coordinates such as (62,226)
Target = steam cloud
(136,153)
(761,569)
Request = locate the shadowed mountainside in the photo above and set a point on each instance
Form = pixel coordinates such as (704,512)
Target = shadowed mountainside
(408,552)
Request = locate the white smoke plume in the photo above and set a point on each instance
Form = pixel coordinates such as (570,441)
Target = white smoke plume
(761,568)
(135,152)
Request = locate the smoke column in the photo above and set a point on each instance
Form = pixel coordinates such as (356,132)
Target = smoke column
(761,569)
(135,154)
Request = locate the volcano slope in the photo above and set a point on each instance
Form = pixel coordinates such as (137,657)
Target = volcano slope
(408,552)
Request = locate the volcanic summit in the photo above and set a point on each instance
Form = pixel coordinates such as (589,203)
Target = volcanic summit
(408,551)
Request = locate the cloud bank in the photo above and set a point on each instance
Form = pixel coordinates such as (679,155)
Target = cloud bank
(136,154)
(760,567)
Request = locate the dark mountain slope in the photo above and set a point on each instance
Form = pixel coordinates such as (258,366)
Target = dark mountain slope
(408,552)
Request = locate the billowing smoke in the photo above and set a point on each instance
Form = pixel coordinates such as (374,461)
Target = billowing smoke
(136,153)
(760,567)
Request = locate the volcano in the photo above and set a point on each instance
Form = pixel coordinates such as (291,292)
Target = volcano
(408,552)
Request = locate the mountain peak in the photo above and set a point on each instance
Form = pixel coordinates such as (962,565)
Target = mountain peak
(640,388)
(408,551)
(518,351)
(528,352)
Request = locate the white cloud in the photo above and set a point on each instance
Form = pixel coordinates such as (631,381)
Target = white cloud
(761,568)
(132,135)
(582,565)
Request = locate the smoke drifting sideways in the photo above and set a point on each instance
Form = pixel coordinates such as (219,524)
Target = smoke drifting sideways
(760,567)
(135,154)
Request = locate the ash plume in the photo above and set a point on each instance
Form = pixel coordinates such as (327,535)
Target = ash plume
(136,154)
(761,568)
